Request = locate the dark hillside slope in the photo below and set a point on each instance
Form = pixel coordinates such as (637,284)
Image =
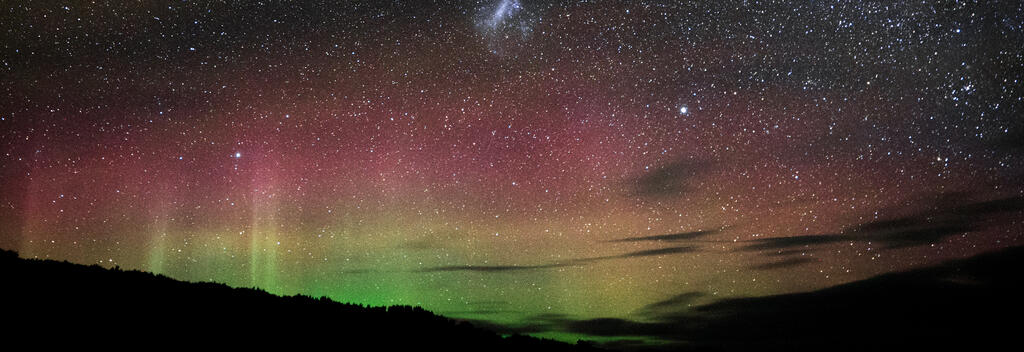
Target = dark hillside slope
(971,304)
(59,303)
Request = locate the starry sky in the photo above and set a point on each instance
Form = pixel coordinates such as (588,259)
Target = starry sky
(508,161)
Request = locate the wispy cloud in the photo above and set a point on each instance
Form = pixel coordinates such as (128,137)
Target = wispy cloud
(494,268)
(669,237)
(936,222)
(567,263)
(672,179)
(783,264)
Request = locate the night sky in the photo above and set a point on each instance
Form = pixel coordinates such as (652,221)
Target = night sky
(506,160)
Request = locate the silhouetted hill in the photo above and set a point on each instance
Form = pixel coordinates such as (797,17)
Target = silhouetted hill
(972,304)
(967,304)
(51,303)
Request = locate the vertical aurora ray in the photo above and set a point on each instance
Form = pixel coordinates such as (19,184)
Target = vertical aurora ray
(263,253)
(157,253)
(263,236)
(31,217)
(160,218)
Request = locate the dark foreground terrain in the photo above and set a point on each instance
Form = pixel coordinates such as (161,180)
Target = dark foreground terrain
(47,303)
(969,304)
(972,304)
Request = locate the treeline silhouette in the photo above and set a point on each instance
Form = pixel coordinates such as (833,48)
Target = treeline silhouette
(60,303)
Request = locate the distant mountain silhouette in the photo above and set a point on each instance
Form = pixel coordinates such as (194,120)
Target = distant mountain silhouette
(972,304)
(969,304)
(51,303)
